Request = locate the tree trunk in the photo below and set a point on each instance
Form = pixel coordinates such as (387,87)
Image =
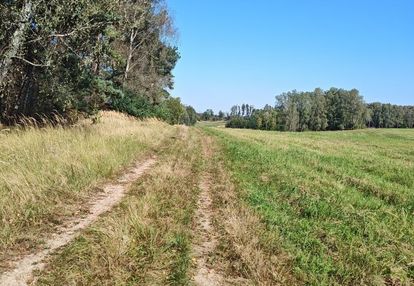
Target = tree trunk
(17,41)
(27,94)
(97,62)
(130,52)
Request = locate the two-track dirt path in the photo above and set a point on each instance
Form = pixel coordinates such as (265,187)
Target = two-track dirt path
(112,194)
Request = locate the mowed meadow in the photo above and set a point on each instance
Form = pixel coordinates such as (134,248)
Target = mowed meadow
(341,204)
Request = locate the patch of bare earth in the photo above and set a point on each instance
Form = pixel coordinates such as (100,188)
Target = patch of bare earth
(209,262)
(112,194)
(206,240)
(205,274)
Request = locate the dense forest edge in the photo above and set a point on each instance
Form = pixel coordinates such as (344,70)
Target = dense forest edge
(70,60)
(319,110)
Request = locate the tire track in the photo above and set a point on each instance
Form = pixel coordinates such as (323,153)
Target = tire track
(103,202)
(207,238)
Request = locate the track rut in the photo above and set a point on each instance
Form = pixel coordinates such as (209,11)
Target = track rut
(112,194)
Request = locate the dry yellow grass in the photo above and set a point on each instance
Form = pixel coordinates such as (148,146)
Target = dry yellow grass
(146,240)
(46,173)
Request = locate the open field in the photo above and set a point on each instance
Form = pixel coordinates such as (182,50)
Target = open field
(218,207)
(211,124)
(340,203)
(164,233)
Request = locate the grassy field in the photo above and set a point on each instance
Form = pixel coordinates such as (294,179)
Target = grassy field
(312,208)
(339,204)
(220,124)
(149,238)
(45,173)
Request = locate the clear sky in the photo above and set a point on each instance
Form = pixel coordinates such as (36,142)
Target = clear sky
(248,51)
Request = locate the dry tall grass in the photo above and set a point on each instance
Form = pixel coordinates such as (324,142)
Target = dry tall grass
(46,172)
(146,240)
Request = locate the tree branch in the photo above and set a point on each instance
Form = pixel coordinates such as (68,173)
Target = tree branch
(30,63)
(64,35)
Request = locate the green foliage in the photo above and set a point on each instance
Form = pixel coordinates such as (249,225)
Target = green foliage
(345,109)
(173,111)
(134,105)
(72,56)
(170,110)
(263,119)
(191,117)
(207,115)
(334,109)
(54,51)
(390,116)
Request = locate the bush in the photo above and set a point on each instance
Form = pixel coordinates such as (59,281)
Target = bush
(170,110)
(134,105)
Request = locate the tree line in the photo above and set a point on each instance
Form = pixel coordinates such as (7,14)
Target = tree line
(209,115)
(77,57)
(319,110)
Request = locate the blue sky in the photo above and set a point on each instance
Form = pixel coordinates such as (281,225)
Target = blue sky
(245,51)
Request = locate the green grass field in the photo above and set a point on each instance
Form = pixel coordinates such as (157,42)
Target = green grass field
(211,124)
(341,203)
